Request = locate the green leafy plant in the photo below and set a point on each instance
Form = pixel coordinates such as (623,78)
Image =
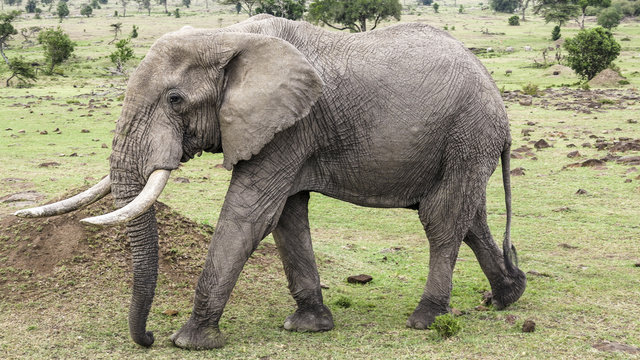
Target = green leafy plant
(446,326)
(176,13)
(86,10)
(555,33)
(514,20)
(591,51)
(57,46)
(7,31)
(435,6)
(123,53)
(344,302)
(531,89)
(21,70)
(353,14)
(609,17)
(134,32)
(288,9)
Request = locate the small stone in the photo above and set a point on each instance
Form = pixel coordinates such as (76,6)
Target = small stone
(581,192)
(85,131)
(510,319)
(43,132)
(592,163)
(586,145)
(456,312)
(22,131)
(324,286)
(626,181)
(481,308)
(541,144)
(170,312)
(181,180)
(637,264)
(526,132)
(527,101)
(517,172)
(359,279)
(609,346)
(528,326)
(104,146)
(487,298)
(631,121)
(48,164)
(573,154)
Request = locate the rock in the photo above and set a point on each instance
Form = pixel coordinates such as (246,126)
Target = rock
(43,132)
(85,131)
(359,279)
(562,209)
(48,164)
(481,308)
(526,101)
(517,172)
(509,49)
(573,154)
(571,145)
(531,123)
(508,72)
(556,73)
(581,192)
(637,264)
(631,121)
(609,346)
(22,131)
(526,132)
(541,144)
(456,312)
(510,319)
(567,246)
(586,145)
(104,146)
(27,196)
(529,326)
(170,312)
(527,48)
(487,298)
(181,180)
(629,160)
(592,163)
(324,286)
(627,181)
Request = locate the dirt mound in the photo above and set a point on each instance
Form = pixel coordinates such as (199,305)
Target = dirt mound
(606,78)
(40,250)
(560,70)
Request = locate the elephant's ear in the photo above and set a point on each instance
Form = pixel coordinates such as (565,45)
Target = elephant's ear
(269,85)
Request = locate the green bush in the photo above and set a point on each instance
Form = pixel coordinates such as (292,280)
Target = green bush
(555,33)
(86,10)
(531,89)
(343,302)
(609,17)
(446,326)
(57,47)
(123,53)
(514,20)
(591,51)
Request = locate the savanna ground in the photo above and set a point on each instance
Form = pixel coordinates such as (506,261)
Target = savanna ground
(65,288)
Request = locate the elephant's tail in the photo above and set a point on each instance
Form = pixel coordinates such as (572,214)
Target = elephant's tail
(509,251)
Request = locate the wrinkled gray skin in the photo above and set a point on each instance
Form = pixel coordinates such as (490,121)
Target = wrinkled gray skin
(400,117)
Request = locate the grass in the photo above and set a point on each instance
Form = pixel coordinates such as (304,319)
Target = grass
(579,250)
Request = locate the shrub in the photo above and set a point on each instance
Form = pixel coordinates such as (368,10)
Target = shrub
(123,53)
(591,51)
(531,89)
(461,9)
(343,302)
(31,6)
(555,33)
(177,13)
(62,10)
(86,10)
(514,20)
(505,6)
(446,326)
(57,46)
(436,7)
(134,32)
(609,17)
(21,70)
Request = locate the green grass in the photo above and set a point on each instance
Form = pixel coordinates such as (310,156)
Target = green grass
(577,295)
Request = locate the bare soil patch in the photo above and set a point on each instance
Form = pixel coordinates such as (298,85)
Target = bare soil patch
(39,254)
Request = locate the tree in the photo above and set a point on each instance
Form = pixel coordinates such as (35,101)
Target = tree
(86,10)
(353,14)
(591,51)
(7,31)
(123,53)
(21,70)
(57,45)
(555,33)
(505,6)
(145,4)
(134,32)
(609,17)
(288,9)
(186,3)
(124,7)
(117,29)
(557,11)
(164,2)
(31,6)
(95,4)
(62,10)
(246,5)
(583,4)
(436,6)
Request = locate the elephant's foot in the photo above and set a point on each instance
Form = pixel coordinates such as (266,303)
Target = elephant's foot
(509,290)
(193,337)
(313,319)
(425,314)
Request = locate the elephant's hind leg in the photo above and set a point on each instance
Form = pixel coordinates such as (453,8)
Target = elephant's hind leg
(507,285)
(293,239)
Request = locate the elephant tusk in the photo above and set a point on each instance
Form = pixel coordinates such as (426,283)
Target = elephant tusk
(155,184)
(89,196)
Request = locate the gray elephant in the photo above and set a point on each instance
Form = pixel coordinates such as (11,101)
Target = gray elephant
(403,117)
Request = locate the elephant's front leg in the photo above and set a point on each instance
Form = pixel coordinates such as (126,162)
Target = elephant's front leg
(246,218)
(293,239)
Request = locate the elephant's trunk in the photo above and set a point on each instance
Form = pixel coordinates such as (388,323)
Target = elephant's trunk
(143,237)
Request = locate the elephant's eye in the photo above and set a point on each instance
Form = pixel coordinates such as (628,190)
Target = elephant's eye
(175,99)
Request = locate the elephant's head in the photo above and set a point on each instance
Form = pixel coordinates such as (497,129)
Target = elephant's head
(196,90)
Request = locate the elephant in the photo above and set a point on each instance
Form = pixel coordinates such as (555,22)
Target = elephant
(400,117)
